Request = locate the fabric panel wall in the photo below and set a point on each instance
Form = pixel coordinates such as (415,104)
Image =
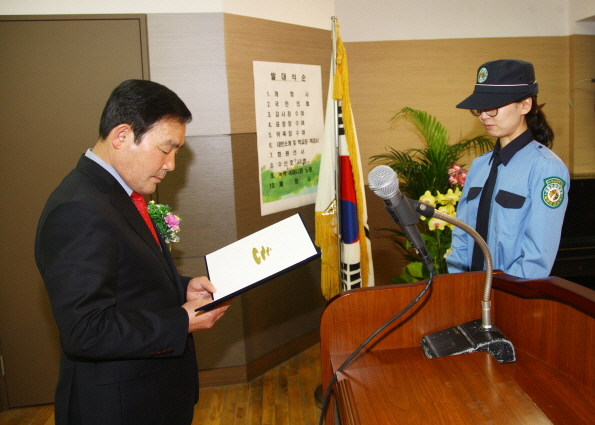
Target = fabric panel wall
(200,191)
(187,54)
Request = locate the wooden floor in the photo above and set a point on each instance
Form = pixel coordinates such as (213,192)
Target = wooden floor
(282,396)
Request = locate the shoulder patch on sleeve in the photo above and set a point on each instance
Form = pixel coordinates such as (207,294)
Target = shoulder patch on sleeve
(553,192)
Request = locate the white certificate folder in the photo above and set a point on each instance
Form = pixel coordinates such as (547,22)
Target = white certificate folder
(258,258)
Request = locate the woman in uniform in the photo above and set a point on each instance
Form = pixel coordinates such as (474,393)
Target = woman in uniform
(516,195)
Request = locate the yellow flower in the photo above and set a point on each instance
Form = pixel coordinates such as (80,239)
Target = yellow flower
(451,198)
(448,209)
(440,198)
(434,224)
(427,198)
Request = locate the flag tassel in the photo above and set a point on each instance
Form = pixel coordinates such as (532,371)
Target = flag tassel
(327,240)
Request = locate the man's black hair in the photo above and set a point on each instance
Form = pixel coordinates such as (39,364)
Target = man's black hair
(141,104)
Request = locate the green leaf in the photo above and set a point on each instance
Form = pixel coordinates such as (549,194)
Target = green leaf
(412,272)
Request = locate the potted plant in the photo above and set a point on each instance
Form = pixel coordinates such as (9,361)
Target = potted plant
(430,174)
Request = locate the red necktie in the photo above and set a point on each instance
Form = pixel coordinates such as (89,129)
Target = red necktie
(141,206)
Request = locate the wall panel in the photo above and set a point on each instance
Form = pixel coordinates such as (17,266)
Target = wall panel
(215,188)
(187,55)
(251,39)
(435,75)
(582,113)
(289,307)
(200,191)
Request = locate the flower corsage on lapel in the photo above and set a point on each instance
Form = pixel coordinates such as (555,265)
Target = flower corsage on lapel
(167,224)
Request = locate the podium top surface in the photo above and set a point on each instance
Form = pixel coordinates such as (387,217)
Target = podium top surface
(402,386)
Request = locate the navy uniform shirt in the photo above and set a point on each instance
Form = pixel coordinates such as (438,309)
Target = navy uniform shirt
(526,213)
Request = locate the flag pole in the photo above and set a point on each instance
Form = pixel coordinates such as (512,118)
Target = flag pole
(318,395)
(336,159)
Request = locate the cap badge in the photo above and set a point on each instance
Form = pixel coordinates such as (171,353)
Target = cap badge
(482,75)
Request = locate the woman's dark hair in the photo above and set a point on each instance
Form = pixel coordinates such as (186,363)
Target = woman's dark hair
(537,123)
(140,104)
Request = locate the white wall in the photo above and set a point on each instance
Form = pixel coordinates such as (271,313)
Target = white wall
(309,13)
(66,7)
(363,20)
(434,19)
(582,17)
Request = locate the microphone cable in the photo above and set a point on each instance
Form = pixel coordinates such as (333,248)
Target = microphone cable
(327,395)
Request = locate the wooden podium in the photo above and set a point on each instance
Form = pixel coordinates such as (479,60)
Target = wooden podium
(551,323)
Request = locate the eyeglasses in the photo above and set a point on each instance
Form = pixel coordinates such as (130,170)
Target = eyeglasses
(490,112)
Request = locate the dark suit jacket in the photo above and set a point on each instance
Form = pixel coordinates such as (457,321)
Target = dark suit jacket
(116,296)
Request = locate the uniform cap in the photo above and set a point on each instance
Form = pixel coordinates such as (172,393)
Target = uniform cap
(501,82)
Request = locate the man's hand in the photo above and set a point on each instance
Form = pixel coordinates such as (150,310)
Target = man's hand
(198,294)
(200,287)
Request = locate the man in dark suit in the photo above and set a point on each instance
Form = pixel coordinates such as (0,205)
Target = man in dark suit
(124,313)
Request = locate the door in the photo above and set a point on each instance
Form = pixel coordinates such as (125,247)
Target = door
(56,74)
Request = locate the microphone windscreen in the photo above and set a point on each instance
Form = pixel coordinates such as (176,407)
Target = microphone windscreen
(383,181)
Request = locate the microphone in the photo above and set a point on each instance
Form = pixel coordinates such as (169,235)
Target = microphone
(384,182)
